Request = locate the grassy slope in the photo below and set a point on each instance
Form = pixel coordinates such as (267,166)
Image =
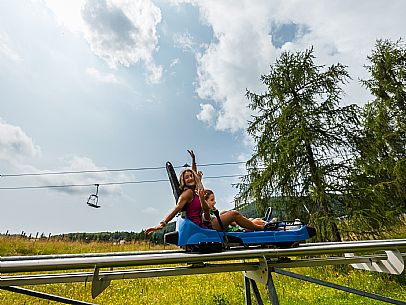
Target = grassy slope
(226,288)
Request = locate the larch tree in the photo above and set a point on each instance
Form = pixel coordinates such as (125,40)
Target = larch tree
(377,198)
(303,140)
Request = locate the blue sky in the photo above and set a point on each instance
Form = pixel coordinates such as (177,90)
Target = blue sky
(90,85)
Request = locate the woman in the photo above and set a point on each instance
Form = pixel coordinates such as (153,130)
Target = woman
(192,200)
(188,200)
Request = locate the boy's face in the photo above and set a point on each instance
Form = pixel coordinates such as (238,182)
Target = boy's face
(211,201)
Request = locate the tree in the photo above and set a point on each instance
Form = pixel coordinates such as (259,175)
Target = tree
(302,138)
(378,195)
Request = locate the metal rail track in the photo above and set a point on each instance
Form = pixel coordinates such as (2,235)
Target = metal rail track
(258,264)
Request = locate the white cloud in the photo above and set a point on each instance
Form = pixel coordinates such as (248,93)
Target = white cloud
(15,144)
(184,41)
(340,31)
(155,72)
(77,164)
(16,148)
(67,13)
(102,77)
(174,62)
(6,50)
(123,32)
(207,114)
(235,60)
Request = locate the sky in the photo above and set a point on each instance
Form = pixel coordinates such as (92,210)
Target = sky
(95,85)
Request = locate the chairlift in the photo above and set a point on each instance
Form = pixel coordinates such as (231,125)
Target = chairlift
(93,199)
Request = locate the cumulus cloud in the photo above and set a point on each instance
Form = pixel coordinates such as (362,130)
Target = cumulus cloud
(15,144)
(235,59)
(184,41)
(91,177)
(17,148)
(207,114)
(174,62)
(123,32)
(248,38)
(67,15)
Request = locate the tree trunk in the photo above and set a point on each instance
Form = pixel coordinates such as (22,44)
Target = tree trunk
(323,203)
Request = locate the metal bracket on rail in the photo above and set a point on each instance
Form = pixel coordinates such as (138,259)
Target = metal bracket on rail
(98,283)
(264,276)
(393,264)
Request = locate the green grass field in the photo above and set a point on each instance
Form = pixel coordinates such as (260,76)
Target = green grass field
(225,288)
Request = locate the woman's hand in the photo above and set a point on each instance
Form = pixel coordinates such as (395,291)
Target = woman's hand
(192,154)
(153,229)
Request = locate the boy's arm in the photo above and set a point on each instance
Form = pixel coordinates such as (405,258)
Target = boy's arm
(205,206)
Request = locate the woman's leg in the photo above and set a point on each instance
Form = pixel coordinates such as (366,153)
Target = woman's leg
(233,215)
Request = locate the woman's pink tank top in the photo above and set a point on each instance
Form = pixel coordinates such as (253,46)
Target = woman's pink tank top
(194,210)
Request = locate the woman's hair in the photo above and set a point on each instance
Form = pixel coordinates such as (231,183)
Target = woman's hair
(207,193)
(182,185)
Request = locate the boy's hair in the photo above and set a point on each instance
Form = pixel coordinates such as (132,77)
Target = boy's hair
(207,193)
(182,185)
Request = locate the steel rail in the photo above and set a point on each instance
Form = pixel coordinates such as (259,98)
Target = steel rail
(39,279)
(345,242)
(179,258)
(83,255)
(105,254)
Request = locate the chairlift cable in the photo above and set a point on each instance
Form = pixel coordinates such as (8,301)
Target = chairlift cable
(106,183)
(113,170)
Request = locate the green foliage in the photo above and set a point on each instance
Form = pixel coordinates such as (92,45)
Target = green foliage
(303,138)
(378,194)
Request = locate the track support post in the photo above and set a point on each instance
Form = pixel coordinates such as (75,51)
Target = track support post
(271,289)
(98,283)
(247,291)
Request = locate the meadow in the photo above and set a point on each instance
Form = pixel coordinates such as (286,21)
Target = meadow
(217,289)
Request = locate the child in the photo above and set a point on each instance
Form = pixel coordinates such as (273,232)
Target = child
(229,218)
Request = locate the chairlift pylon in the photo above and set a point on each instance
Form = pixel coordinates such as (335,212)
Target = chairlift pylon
(93,199)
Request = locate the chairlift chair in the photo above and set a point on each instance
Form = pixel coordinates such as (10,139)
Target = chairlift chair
(93,199)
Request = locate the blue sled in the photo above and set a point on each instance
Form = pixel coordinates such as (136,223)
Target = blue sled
(192,237)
